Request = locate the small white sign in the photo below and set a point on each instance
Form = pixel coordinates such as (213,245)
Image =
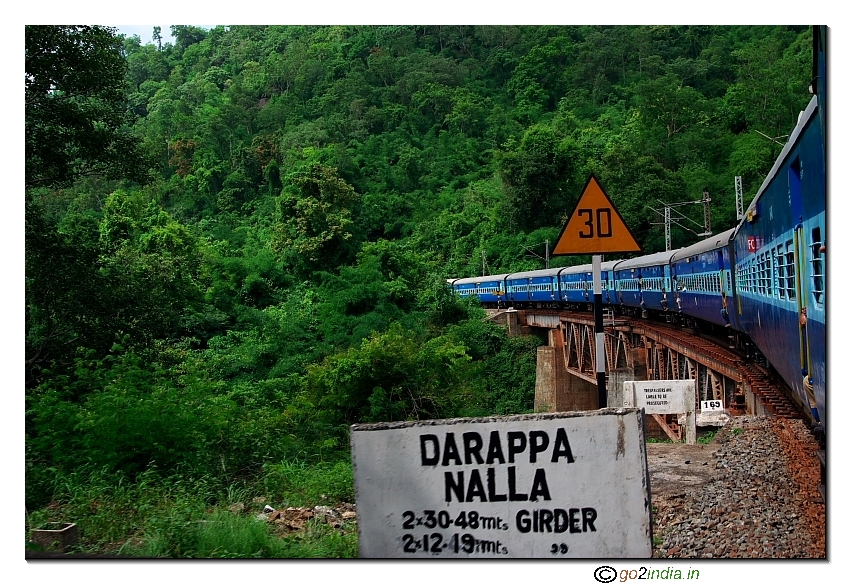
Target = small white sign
(665,398)
(710,405)
(661,397)
(559,485)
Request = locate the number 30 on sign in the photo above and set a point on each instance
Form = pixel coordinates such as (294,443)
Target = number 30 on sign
(595,226)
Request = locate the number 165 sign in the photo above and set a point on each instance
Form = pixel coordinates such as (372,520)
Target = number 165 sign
(595,227)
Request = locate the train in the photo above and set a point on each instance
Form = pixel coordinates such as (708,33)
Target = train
(763,280)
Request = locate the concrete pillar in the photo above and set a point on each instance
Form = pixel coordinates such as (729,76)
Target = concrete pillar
(555,389)
(616,378)
(544,383)
(638,358)
(572,393)
(511,321)
(577,395)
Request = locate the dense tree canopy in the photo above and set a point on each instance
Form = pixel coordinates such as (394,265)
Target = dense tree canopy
(76,122)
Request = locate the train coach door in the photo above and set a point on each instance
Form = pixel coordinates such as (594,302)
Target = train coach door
(724,296)
(799,278)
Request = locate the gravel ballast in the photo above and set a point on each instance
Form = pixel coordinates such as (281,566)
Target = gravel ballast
(762,501)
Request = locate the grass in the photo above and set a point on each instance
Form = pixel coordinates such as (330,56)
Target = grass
(703,437)
(296,483)
(155,516)
(225,535)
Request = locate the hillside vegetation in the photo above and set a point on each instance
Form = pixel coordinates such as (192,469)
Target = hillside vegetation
(237,244)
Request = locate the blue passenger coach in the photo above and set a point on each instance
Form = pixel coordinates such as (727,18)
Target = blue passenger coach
(577,284)
(780,269)
(702,279)
(539,288)
(644,282)
(489,289)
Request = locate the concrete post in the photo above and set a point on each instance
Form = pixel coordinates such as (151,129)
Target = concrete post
(615,385)
(544,383)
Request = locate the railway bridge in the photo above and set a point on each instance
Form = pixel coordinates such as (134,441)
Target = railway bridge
(639,349)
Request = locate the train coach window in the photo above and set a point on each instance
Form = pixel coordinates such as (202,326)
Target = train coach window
(768,275)
(817,266)
(779,280)
(754,276)
(789,270)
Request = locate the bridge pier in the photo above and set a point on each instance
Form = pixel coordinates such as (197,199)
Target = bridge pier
(555,389)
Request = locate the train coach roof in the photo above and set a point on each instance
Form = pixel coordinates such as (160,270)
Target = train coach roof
(710,244)
(551,272)
(480,279)
(660,258)
(586,268)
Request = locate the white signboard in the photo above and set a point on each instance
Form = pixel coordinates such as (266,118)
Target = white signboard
(661,397)
(665,398)
(560,485)
(711,405)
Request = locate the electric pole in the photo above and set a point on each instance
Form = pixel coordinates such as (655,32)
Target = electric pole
(739,198)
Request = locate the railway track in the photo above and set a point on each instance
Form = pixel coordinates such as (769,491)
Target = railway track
(715,352)
(769,389)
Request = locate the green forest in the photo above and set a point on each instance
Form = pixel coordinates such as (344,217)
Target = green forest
(237,244)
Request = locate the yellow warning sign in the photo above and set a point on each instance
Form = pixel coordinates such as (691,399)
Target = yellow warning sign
(595,226)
